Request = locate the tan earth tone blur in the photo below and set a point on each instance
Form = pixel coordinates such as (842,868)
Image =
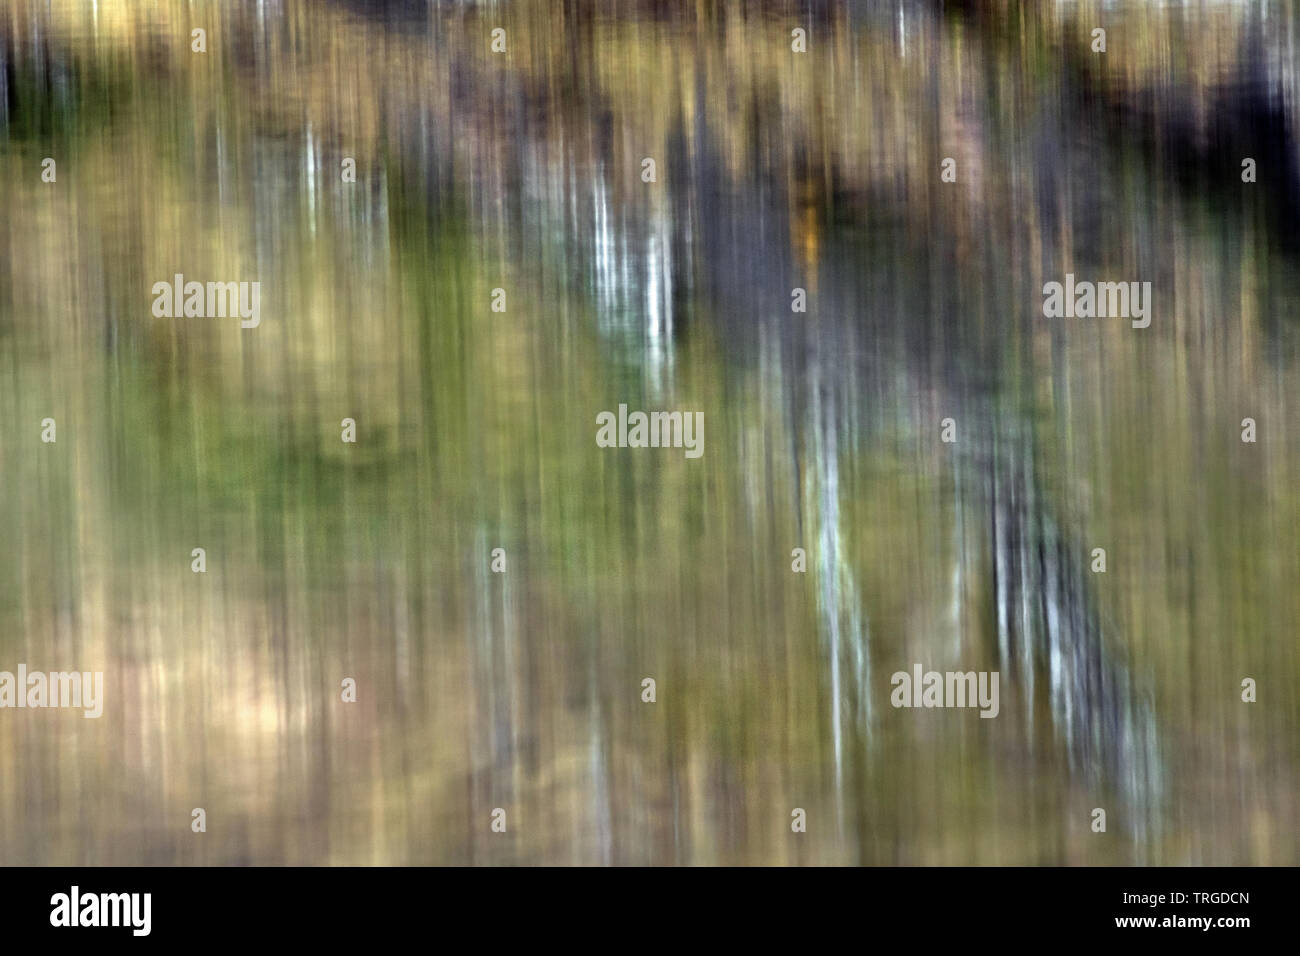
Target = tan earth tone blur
(476,430)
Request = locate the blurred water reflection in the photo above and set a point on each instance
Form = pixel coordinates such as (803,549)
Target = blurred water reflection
(476,430)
